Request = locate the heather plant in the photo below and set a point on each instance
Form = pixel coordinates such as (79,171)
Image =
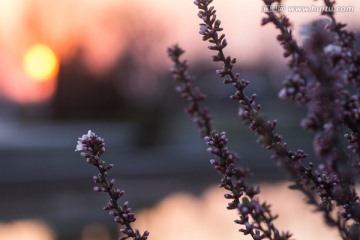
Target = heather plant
(324,78)
(92,147)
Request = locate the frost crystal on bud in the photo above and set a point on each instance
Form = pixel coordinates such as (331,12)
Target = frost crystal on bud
(332,49)
(282,94)
(79,146)
(90,145)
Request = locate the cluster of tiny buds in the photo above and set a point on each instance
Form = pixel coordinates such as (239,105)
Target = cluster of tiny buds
(246,111)
(262,227)
(349,208)
(219,139)
(92,147)
(126,214)
(326,184)
(354,140)
(209,30)
(294,88)
(329,190)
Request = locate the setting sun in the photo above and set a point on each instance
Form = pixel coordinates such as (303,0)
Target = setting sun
(41,63)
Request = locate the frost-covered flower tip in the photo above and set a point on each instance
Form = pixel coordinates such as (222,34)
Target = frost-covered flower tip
(90,145)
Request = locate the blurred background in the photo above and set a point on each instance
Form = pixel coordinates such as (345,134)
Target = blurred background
(70,66)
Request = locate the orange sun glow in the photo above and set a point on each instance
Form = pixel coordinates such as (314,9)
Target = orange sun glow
(41,63)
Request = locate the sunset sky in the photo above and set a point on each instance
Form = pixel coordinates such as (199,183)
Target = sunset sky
(104,29)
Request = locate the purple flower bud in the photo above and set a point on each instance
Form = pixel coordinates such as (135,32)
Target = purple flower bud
(228,196)
(109,166)
(96,179)
(112,182)
(213,161)
(283,94)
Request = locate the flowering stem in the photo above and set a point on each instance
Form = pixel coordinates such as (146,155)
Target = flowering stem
(92,147)
(327,101)
(233,179)
(201,116)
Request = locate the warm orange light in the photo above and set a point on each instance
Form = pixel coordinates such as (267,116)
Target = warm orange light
(41,63)
(26,230)
(207,217)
